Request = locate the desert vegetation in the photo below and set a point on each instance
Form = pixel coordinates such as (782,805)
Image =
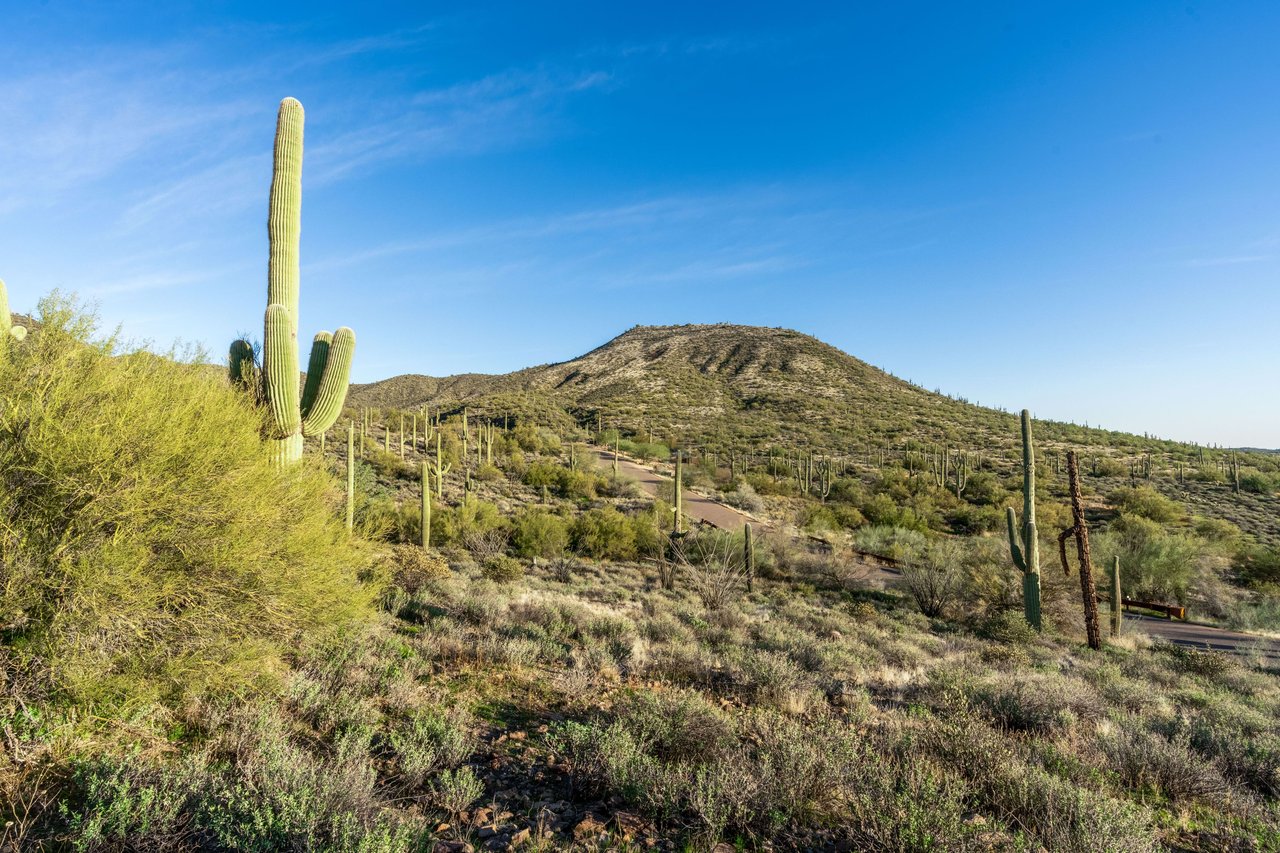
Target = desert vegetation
(241,610)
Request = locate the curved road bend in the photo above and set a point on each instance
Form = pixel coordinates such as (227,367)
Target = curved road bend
(1180,633)
(695,505)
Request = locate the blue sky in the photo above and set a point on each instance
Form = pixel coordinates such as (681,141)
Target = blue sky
(1073,207)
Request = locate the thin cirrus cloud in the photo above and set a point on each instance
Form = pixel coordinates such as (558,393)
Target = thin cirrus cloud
(505,109)
(1227,261)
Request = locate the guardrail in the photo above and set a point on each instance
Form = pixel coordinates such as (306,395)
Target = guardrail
(1170,611)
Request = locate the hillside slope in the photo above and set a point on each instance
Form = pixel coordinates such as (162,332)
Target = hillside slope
(730,383)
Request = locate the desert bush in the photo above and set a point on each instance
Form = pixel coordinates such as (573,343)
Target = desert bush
(501,568)
(893,542)
(488,473)
(1010,626)
(675,725)
(651,540)
(713,565)
(1206,662)
(1145,760)
(415,566)
(454,790)
(1251,758)
(486,543)
(1146,502)
(1037,704)
(1256,482)
(149,545)
(389,466)
(453,525)
(1154,563)
(273,795)
(744,497)
(537,533)
(603,533)
(1059,814)
(934,579)
(429,740)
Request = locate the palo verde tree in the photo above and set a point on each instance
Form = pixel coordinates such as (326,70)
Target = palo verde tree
(291,417)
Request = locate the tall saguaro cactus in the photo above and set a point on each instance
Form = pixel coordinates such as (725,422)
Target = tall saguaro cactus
(292,415)
(1027,557)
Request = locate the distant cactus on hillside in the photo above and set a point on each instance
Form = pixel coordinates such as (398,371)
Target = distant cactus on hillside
(328,369)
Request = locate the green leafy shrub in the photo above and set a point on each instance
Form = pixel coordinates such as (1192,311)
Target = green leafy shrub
(431,740)
(603,533)
(149,545)
(414,567)
(538,533)
(1146,502)
(455,525)
(501,568)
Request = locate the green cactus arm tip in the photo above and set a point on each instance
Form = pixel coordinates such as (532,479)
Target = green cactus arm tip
(332,390)
(240,363)
(1014,551)
(315,368)
(280,365)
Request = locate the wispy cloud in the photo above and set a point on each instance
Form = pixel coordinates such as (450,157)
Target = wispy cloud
(1229,260)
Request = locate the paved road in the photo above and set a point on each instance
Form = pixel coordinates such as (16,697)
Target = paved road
(695,505)
(1203,636)
(1181,633)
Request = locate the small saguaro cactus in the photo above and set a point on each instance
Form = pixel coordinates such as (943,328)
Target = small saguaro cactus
(328,369)
(1027,557)
(1117,599)
(425,515)
(8,331)
(749,557)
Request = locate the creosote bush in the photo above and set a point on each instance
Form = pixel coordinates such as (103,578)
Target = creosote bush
(149,548)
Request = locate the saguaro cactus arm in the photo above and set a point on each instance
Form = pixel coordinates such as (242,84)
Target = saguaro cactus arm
(322,410)
(241,366)
(1019,559)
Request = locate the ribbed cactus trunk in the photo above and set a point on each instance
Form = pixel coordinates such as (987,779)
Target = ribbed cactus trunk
(426,506)
(749,557)
(1027,557)
(1117,598)
(311,412)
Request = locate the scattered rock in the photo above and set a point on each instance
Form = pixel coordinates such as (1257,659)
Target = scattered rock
(520,837)
(452,847)
(841,693)
(589,827)
(629,825)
